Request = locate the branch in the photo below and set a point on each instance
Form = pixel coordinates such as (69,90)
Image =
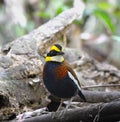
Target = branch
(99,96)
(92,96)
(97,86)
(97,113)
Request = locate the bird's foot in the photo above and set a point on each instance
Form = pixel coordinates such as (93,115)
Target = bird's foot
(74,106)
(58,114)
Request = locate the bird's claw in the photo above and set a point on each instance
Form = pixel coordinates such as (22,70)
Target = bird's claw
(58,114)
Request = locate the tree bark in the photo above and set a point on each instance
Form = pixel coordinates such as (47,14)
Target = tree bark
(21,66)
(105,112)
(99,96)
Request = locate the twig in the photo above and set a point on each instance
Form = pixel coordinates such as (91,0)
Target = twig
(96,86)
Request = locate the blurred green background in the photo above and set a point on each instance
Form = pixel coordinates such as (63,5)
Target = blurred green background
(97,32)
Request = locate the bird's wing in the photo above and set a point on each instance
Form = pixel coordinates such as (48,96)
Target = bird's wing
(70,69)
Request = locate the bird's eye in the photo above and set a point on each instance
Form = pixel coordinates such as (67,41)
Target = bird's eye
(52,53)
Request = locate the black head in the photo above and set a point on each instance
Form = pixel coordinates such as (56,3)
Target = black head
(58,46)
(55,54)
(56,49)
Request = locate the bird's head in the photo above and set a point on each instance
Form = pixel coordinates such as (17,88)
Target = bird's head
(55,54)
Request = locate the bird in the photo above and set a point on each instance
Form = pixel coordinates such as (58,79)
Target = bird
(58,76)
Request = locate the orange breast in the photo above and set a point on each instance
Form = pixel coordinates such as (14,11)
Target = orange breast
(61,72)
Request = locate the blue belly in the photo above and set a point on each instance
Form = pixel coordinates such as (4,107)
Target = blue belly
(64,88)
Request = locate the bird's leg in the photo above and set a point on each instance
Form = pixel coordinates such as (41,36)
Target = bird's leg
(61,113)
(65,110)
(69,103)
(57,114)
(60,105)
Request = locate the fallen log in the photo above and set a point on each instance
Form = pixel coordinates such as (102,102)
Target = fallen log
(103,112)
(99,96)
(91,97)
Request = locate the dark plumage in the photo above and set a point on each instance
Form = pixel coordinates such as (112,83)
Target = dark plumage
(57,80)
(58,76)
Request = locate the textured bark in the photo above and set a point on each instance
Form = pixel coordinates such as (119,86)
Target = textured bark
(99,96)
(44,36)
(21,66)
(107,112)
(20,85)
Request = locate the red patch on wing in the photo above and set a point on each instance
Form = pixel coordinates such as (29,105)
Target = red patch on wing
(61,72)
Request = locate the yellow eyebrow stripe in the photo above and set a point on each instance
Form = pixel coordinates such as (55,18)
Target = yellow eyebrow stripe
(55,48)
(48,58)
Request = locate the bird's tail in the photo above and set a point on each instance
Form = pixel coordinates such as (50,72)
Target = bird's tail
(81,95)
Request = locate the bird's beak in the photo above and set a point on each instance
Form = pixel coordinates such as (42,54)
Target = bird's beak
(61,53)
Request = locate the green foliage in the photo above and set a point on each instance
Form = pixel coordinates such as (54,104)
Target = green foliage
(19,31)
(105,18)
(105,5)
(107,14)
(101,11)
(54,8)
(60,9)
(44,15)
